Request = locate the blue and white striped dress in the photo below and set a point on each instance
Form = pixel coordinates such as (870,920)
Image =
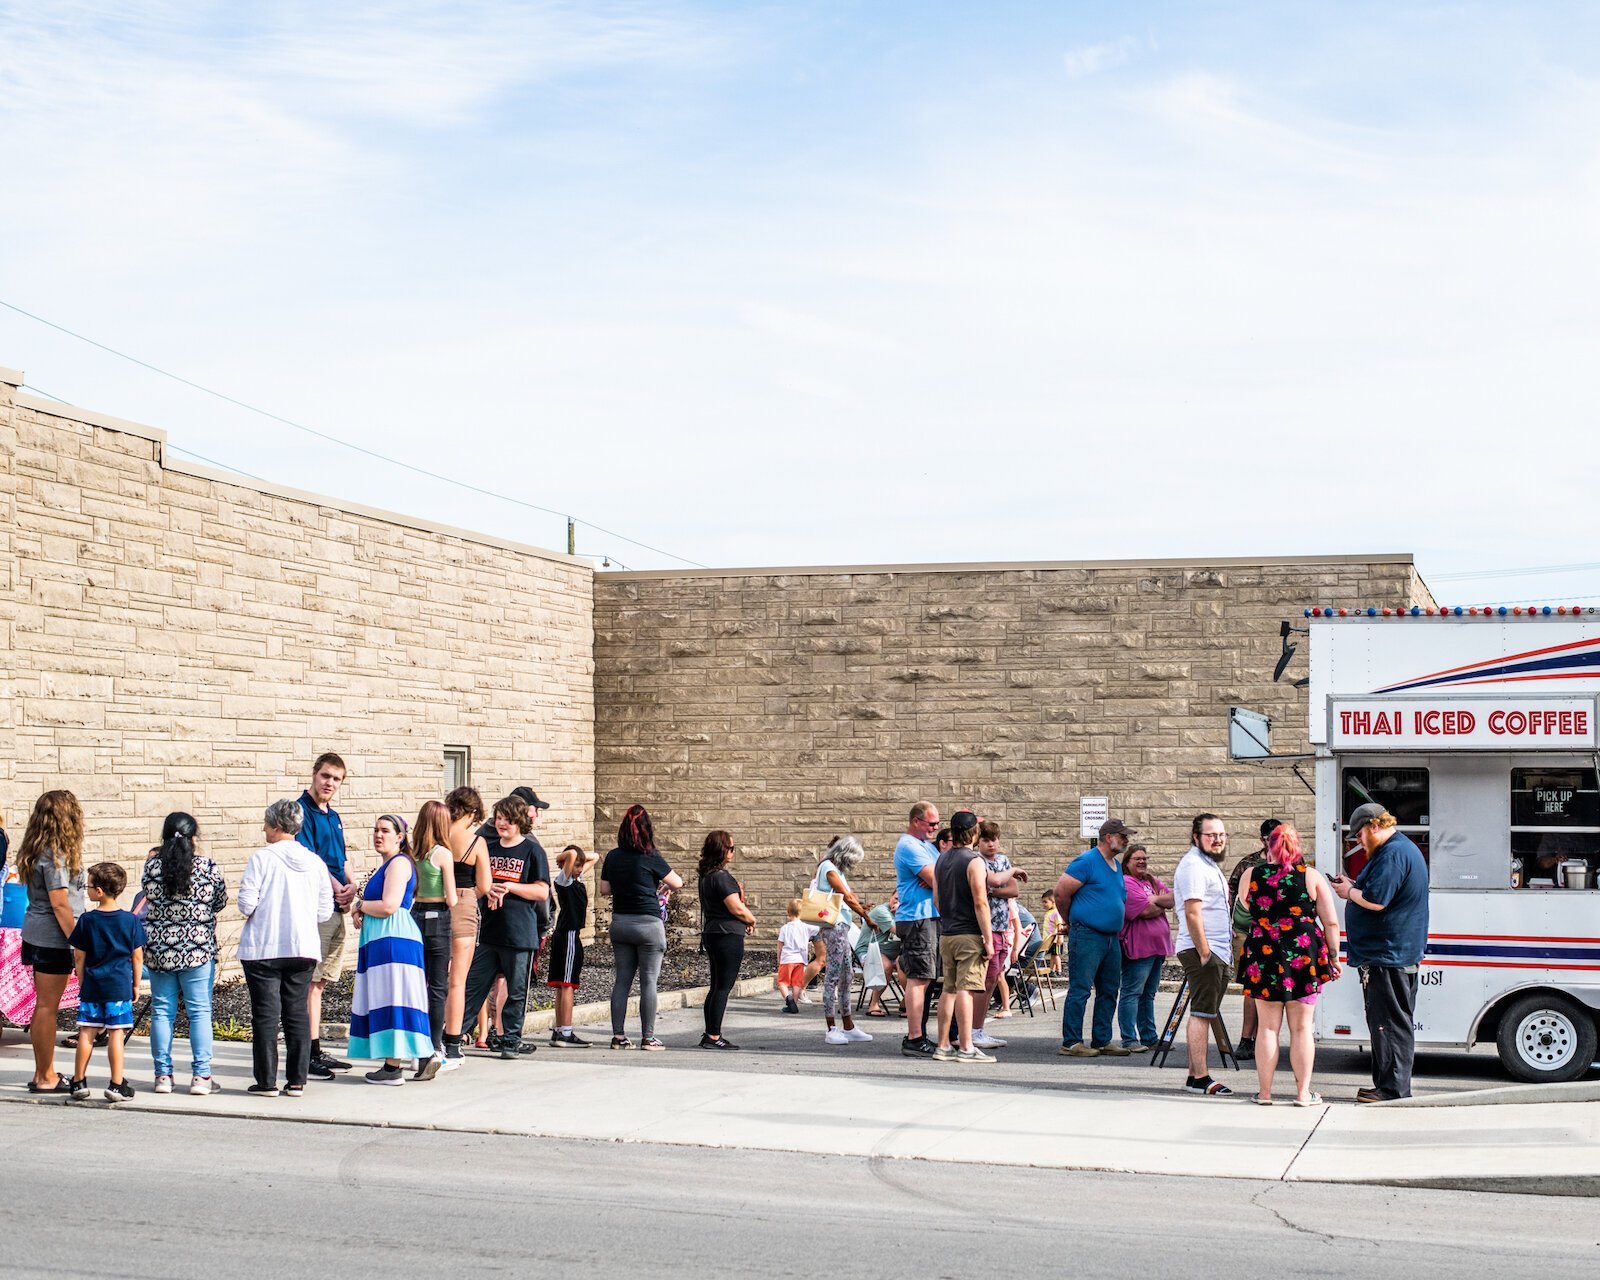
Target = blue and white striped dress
(389,1014)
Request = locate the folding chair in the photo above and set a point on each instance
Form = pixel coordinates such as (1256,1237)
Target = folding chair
(1036,972)
(1017,984)
(1169,1032)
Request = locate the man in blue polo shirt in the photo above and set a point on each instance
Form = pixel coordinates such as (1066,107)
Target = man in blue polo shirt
(322,831)
(1386,935)
(916,923)
(1093,898)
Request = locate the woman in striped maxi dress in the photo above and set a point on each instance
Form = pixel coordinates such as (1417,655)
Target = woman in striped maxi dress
(389,1014)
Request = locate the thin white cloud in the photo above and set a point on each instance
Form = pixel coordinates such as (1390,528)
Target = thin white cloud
(1091,59)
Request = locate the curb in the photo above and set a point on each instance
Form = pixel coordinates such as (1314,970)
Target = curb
(1506,1095)
(598,1012)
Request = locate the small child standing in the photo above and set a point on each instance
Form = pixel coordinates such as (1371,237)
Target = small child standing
(1055,930)
(794,946)
(108,947)
(566,944)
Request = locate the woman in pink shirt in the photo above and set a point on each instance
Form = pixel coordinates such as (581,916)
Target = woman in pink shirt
(1146,944)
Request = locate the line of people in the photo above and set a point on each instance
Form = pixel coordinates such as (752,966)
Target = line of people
(457,905)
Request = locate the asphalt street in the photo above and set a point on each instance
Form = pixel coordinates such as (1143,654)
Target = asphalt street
(108,1193)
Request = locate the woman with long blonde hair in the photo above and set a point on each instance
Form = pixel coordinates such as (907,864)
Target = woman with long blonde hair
(435,900)
(50,864)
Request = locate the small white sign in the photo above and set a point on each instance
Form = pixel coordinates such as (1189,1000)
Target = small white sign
(1456,724)
(1092,811)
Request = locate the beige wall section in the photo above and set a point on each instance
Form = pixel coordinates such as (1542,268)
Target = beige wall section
(790,706)
(176,638)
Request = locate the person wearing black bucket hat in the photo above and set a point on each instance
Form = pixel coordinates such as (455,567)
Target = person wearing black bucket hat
(1386,935)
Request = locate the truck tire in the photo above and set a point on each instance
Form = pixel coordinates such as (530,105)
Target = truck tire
(1546,1038)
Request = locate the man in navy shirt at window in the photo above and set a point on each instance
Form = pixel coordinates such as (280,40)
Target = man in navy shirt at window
(1386,933)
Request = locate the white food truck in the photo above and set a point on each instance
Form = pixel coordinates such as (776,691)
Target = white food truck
(1478,730)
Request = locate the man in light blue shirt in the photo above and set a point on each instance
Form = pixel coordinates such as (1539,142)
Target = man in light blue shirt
(916,922)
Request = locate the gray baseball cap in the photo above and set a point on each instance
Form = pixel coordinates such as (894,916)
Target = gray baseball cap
(1363,815)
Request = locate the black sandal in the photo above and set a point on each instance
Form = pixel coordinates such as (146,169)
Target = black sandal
(71,1041)
(60,1086)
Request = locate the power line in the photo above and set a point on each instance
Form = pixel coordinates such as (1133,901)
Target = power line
(332,439)
(1526,571)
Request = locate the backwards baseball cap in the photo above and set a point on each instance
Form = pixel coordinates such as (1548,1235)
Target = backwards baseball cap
(963,820)
(1362,816)
(1116,827)
(529,797)
(1269,826)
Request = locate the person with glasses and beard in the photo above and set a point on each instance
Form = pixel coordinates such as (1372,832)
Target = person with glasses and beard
(1205,939)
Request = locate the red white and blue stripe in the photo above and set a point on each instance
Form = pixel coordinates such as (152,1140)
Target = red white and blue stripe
(1577,660)
(1510,951)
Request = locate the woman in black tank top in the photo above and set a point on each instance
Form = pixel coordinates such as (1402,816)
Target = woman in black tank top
(469,858)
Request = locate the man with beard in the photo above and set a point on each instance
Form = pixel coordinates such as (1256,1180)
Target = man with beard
(1205,936)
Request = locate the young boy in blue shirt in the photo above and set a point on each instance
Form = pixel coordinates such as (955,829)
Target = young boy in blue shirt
(108,946)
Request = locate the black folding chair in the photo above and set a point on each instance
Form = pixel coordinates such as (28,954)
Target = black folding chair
(1169,1031)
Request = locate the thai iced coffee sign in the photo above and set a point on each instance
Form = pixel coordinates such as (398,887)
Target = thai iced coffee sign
(1482,723)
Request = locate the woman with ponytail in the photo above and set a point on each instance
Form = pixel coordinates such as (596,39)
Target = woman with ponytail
(633,876)
(184,891)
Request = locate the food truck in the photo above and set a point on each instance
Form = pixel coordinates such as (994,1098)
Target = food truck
(1477,729)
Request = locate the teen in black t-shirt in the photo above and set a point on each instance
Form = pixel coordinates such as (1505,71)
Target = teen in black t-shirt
(508,937)
(632,875)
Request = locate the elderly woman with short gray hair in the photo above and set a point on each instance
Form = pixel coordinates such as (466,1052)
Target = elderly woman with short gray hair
(284,896)
(843,856)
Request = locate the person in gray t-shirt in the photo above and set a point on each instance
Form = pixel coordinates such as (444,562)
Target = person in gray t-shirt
(50,863)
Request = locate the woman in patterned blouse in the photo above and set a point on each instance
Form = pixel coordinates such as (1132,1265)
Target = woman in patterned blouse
(184,891)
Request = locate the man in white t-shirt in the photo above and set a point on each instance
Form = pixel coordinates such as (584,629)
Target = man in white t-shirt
(1205,941)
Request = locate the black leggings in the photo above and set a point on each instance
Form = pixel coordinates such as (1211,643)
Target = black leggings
(725,952)
(433,919)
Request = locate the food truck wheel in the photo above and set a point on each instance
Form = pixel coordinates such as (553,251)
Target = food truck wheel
(1546,1038)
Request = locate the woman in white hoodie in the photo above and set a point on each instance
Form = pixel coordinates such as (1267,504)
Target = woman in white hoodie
(284,896)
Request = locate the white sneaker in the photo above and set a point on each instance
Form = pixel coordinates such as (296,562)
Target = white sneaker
(163,1084)
(451,1064)
(200,1086)
(983,1040)
(856,1035)
(805,999)
(835,1036)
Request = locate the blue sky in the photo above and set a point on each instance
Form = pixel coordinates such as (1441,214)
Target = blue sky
(843,283)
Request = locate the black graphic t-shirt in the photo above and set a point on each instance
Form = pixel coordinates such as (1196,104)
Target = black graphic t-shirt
(515,923)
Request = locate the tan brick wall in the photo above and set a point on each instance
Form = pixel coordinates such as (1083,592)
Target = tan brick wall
(174,639)
(788,707)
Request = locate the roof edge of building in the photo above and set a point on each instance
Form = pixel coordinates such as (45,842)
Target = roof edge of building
(1011,566)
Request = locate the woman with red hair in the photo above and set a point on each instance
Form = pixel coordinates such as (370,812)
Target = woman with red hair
(1290,952)
(633,876)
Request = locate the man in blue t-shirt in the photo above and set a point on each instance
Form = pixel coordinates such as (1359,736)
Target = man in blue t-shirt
(916,923)
(1092,896)
(322,831)
(1386,936)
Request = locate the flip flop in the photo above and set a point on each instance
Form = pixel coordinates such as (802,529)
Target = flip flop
(1262,1102)
(879,1013)
(1315,1100)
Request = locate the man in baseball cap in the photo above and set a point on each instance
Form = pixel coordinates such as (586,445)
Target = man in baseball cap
(1092,896)
(1386,935)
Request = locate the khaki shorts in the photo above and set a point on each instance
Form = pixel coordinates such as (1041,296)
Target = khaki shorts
(965,965)
(1207,982)
(332,931)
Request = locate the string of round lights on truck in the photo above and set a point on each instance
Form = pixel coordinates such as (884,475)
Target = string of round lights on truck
(1451,611)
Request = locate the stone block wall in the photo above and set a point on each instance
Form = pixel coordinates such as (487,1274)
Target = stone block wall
(178,638)
(789,706)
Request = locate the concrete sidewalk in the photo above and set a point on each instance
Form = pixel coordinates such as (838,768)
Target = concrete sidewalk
(925,1111)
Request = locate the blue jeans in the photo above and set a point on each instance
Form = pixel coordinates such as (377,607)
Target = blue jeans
(1094,962)
(195,985)
(1136,1010)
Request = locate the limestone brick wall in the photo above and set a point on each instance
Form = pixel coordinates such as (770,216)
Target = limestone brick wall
(179,638)
(789,706)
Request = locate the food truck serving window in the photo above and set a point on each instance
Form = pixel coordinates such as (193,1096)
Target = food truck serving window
(1403,792)
(1555,828)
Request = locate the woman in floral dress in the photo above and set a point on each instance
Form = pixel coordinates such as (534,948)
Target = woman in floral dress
(1290,951)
